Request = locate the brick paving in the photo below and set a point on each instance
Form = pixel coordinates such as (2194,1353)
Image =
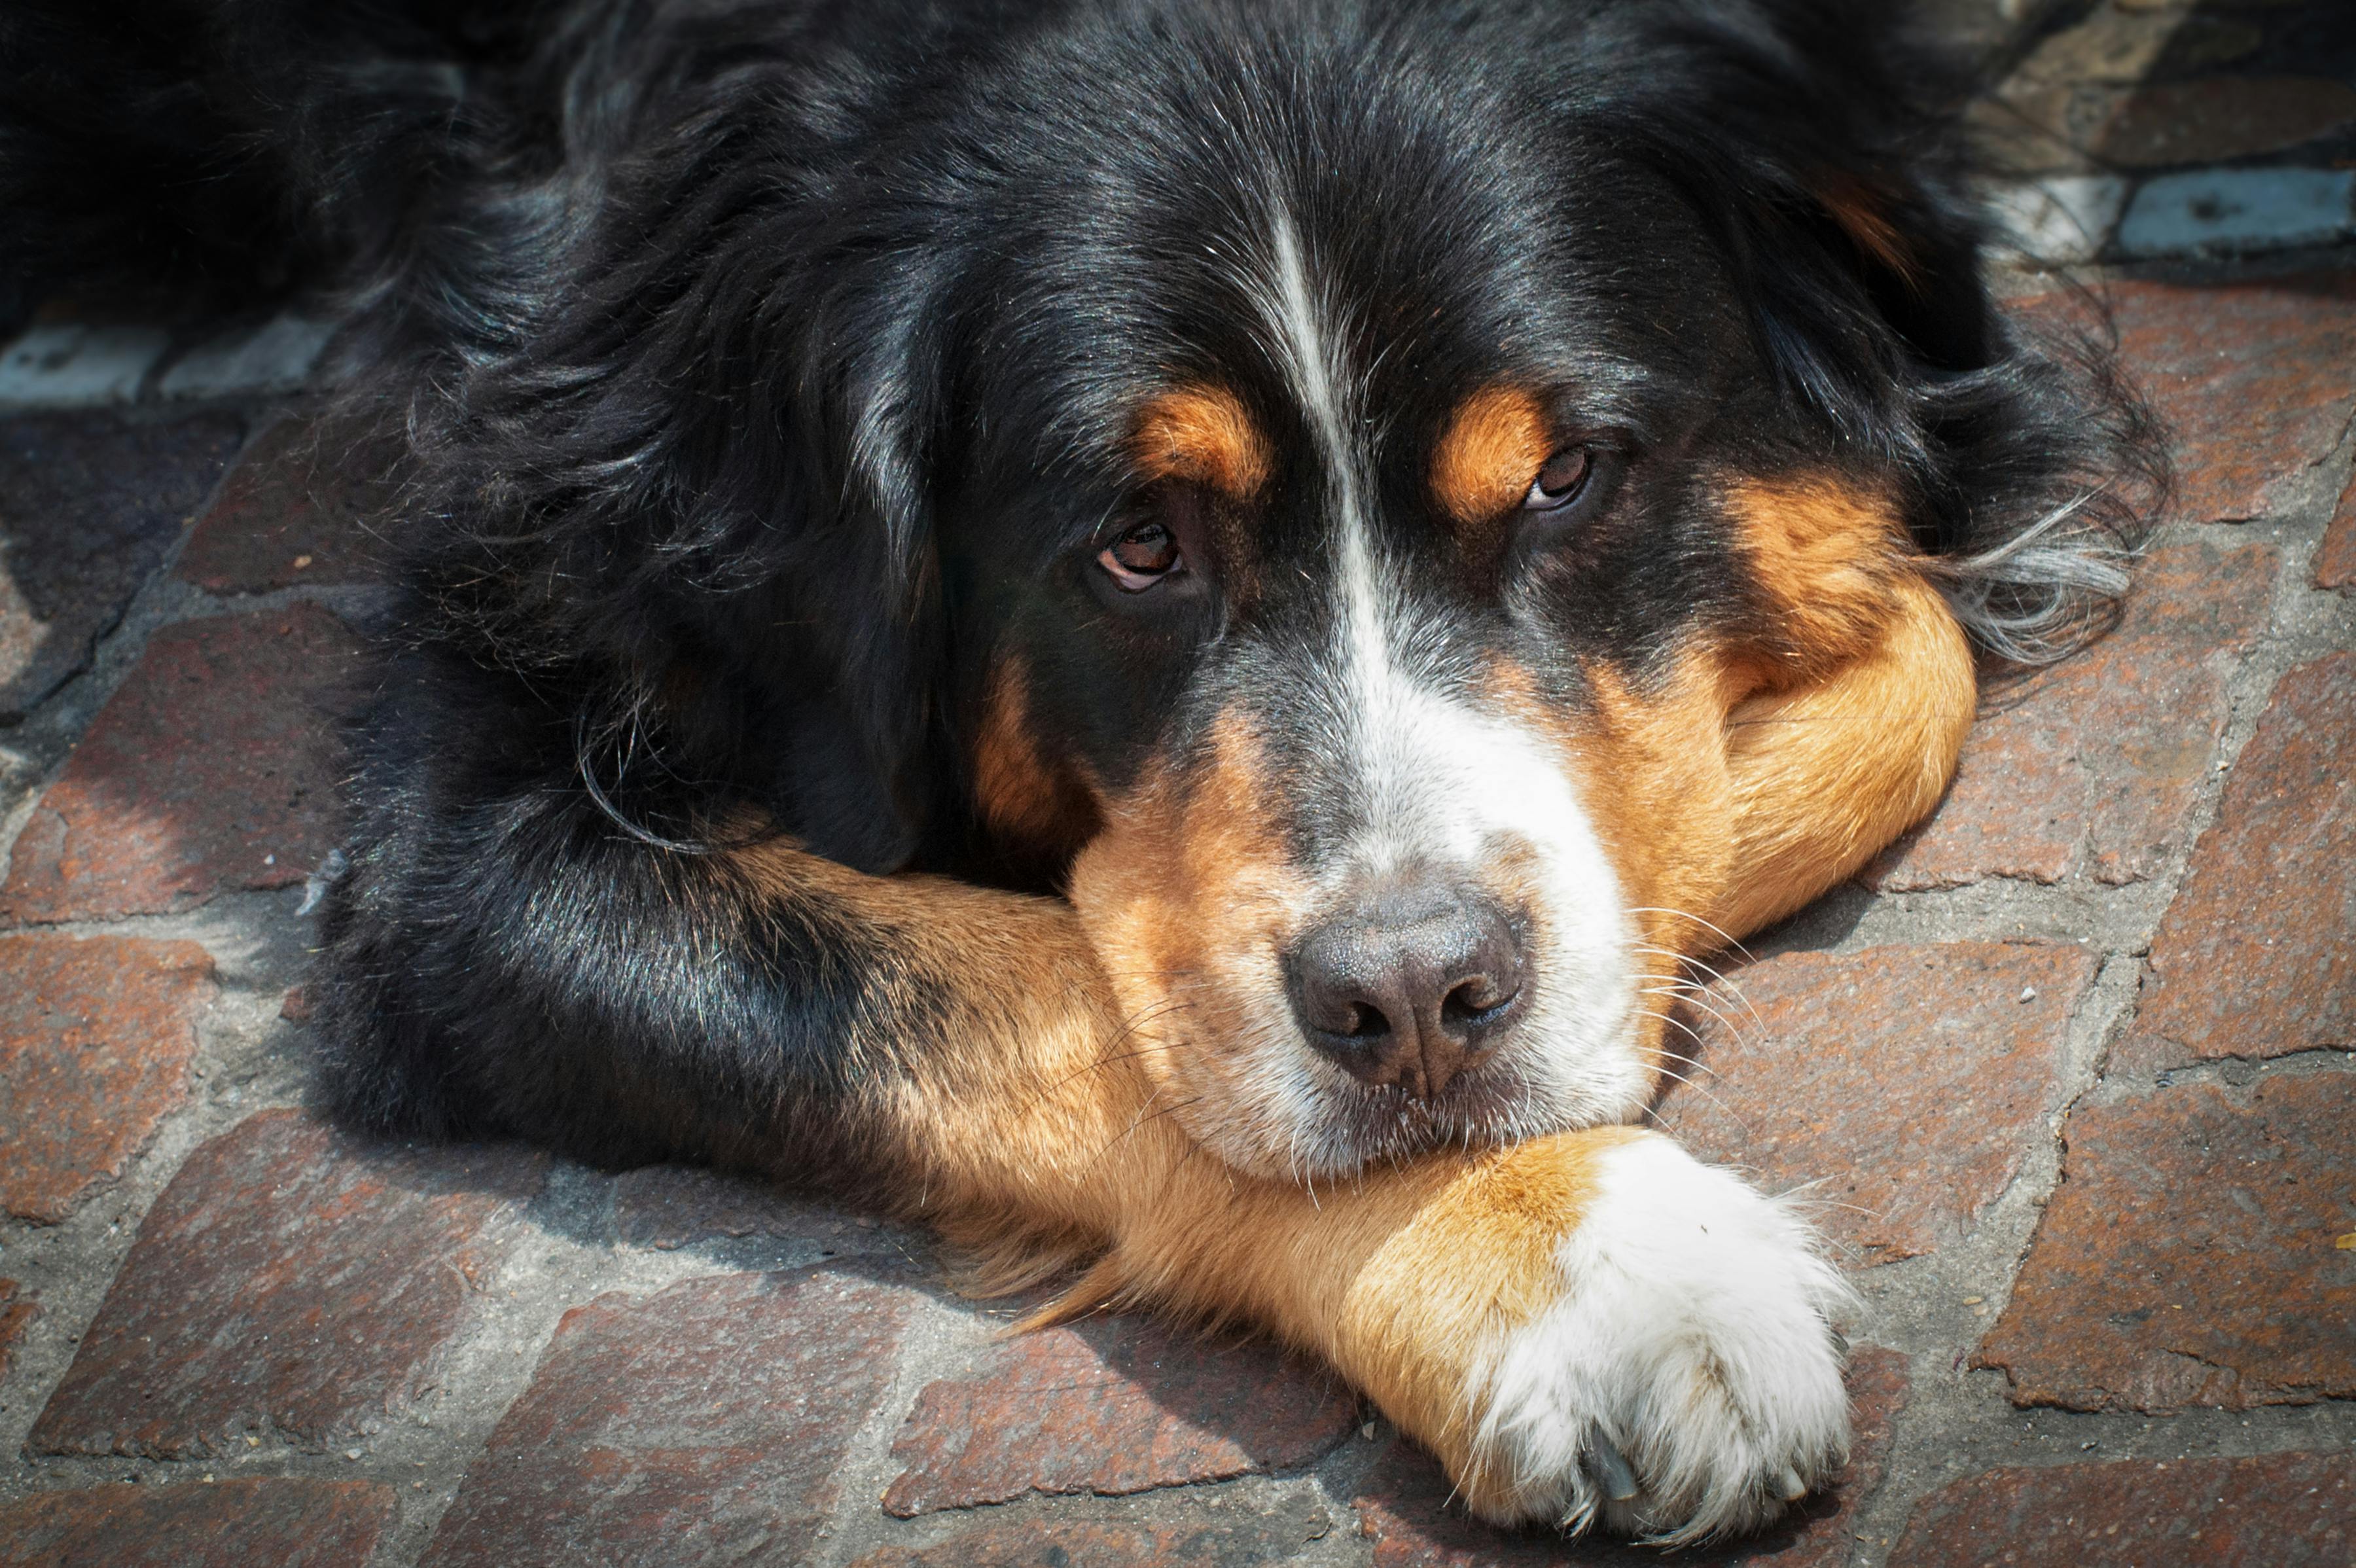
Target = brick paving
(2070,1075)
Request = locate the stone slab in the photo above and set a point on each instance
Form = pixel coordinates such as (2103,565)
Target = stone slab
(2257,955)
(1112,1406)
(274,1523)
(289,1280)
(670,1207)
(96,1040)
(2191,1255)
(70,364)
(2216,119)
(16,1317)
(2093,767)
(2251,377)
(213,770)
(2232,211)
(1899,1087)
(1195,1536)
(701,1425)
(2277,1511)
(294,512)
(2335,561)
(89,506)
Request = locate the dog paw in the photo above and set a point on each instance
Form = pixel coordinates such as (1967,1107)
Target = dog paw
(1685,1380)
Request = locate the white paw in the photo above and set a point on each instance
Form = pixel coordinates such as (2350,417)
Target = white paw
(1687,1382)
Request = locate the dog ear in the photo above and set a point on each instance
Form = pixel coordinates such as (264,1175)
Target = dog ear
(841,637)
(694,507)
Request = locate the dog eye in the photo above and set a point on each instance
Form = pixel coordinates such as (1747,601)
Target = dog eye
(1561,481)
(1142,556)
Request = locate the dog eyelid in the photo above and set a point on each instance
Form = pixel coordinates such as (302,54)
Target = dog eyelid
(1143,557)
(1561,481)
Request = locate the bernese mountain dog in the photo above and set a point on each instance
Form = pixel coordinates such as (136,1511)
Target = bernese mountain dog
(1146,630)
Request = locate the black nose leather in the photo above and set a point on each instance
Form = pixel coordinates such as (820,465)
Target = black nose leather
(1409,988)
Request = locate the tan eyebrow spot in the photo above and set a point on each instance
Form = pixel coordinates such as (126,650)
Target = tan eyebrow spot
(1493,450)
(1202,435)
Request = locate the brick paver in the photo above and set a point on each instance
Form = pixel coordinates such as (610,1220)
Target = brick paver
(699,1425)
(1404,1508)
(289,1280)
(213,770)
(1198,1538)
(2257,956)
(1112,1406)
(90,503)
(1903,1082)
(16,1317)
(2279,1510)
(2191,1255)
(2335,559)
(227,1524)
(2252,378)
(294,511)
(96,1039)
(2094,765)
(669,1207)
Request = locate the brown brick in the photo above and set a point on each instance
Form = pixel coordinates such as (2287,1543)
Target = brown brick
(2190,1256)
(2278,1510)
(89,504)
(1405,1507)
(2251,377)
(670,1207)
(288,1278)
(213,770)
(1197,1537)
(1904,1083)
(293,513)
(702,1424)
(229,1524)
(2257,955)
(2093,765)
(16,1317)
(96,1038)
(1112,1406)
(2222,117)
(2335,562)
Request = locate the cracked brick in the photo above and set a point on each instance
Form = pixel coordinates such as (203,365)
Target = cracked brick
(1112,1405)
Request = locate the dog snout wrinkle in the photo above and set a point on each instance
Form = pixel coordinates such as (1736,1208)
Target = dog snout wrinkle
(1410,989)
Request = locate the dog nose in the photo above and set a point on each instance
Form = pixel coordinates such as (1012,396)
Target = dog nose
(1409,988)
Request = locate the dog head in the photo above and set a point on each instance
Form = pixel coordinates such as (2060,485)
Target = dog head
(1314,487)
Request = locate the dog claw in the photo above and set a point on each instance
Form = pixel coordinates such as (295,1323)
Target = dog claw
(1790,1486)
(1613,1471)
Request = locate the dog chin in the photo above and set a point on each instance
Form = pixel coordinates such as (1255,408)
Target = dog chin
(1323,1125)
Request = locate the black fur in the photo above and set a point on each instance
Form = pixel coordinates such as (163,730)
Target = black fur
(762,364)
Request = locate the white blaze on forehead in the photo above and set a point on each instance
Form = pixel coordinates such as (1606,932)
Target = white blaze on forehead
(1437,783)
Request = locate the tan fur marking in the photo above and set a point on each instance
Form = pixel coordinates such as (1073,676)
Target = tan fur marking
(1202,435)
(1043,810)
(1825,556)
(1190,895)
(1827,775)
(1492,451)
